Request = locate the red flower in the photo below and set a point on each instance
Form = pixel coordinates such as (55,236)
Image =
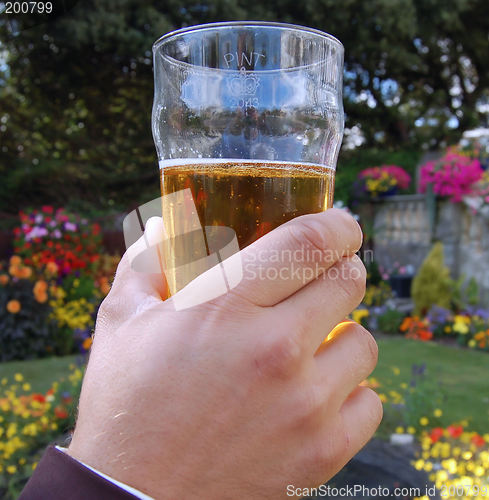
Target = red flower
(435,434)
(455,430)
(478,440)
(39,398)
(61,412)
(47,209)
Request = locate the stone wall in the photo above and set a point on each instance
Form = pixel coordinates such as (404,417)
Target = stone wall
(405,227)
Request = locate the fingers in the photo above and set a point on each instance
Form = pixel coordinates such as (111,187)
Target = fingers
(347,358)
(133,291)
(317,308)
(288,258)
(362,413)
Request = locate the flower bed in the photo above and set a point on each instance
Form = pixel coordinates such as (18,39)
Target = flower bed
(453,456)
(51,288)
(29,422)
(381,181)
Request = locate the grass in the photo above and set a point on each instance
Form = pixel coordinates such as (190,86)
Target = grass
(40,373)
(463,375)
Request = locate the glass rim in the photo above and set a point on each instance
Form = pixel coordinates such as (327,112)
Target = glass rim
(247,24)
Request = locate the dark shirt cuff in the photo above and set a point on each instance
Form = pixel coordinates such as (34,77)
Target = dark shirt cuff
(60,477)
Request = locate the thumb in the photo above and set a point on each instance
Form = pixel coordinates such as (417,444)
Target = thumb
(139,281)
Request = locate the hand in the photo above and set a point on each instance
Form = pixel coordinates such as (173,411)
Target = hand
(237,397)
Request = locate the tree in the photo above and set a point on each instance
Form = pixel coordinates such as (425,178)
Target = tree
(76,92)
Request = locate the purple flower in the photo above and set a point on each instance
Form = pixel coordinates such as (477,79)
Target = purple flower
(477,311)
(57,233)
(69,226)
(36,232)
(38,219)
(438,316)
(52,223)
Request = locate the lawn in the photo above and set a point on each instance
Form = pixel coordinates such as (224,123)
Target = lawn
(40,373)
(463,376)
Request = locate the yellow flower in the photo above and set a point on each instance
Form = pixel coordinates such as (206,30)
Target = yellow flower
(411,430)
(11,469)
(438,413)
(419,464)
(359,314)
(396,370)
(399,430)
(18,377)
(460,324)
(26,387)
(424,421)
(472,343)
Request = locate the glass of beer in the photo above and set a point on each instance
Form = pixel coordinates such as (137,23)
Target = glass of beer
(247,120)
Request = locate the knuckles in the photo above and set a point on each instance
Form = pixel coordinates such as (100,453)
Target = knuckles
(351,276)
(280,358)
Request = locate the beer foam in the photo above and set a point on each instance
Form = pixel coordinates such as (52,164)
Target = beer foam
(298,165)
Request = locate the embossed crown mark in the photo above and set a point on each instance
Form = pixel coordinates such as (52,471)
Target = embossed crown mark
(244,84)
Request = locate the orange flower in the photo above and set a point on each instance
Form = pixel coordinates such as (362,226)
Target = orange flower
(52,268)
(104,285)
(40,291)
(25,272)
(87,343)
(41,297)
(4,279)
(15,261)
(13,306)
(14,271)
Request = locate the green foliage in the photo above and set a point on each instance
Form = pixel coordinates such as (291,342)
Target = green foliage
(421,398)
(377,295)
(432,285)
(373,273)
(465,292)
(390,321)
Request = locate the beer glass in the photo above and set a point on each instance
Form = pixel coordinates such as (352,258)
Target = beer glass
(247,121)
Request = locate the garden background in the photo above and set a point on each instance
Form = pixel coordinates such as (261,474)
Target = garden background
(76,155)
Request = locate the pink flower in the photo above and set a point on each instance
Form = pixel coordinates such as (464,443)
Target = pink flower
(453,176)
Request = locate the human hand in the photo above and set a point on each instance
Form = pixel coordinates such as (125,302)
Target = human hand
(237,397)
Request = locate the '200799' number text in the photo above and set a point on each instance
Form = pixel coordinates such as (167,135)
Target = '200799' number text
(28,7)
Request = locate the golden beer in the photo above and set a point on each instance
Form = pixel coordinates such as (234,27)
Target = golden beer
(251,197)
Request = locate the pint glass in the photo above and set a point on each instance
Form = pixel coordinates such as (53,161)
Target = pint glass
(247,121)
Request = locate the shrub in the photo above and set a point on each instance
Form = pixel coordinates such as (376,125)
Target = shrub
(390,321)
(432,285)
